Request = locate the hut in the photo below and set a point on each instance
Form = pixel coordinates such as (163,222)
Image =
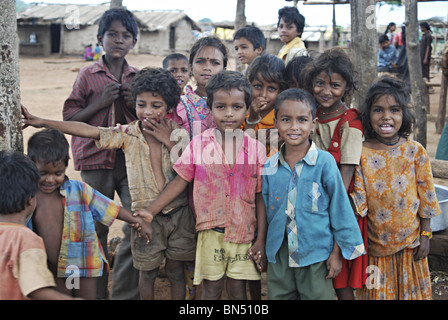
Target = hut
(45,29)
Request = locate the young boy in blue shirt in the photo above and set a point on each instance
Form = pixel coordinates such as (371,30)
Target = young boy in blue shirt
(307,208)
(387,56)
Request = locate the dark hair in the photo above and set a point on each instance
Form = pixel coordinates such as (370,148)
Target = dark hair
(425,25)
(293,69)
(123,15)
(48,146)
(388,85)
(156,80)
(391,24)
(334,60)
(210,41)
(228,80)
(383,38)
(253,34)
(296,94)
(292,15)
(19,181)
(173,56)
(270,68)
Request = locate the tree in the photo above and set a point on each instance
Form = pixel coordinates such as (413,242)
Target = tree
(11,137)
(116,3)
(415,71)
(363,46)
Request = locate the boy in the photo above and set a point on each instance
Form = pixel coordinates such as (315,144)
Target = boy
(23,262)
(177,64)
(101,97)
(290,27)
(249,43)
(65,214)
(387,55)
(225,164)
(304,194)
(147,145)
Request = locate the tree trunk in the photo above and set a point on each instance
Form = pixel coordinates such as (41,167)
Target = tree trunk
(240,22)
(415,71)
(440,122)
(364,46)
(10,125)
(116,3)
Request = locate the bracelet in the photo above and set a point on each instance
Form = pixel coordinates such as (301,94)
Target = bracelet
(255,122)
(427,233)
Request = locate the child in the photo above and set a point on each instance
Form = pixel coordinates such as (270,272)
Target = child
(387,55)
(147,145)
(101,97)
(65,214)
(208,56)
(24,272)
(177,64)
(330,77)
(394,188)
(426,50)
(249,43)
(265,75)
(225,164)
(290,27)
(303,182)
(293,71)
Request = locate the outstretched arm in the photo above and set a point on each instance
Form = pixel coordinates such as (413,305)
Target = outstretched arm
(171,192)
(73,128)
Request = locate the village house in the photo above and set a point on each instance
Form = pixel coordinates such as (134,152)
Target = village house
(45,29)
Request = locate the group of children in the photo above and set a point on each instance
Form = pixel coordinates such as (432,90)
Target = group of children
(267,171)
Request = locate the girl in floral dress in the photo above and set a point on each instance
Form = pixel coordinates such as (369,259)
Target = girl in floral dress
(394,188)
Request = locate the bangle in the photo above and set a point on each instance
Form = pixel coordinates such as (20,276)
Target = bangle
(255,122)
(427,233)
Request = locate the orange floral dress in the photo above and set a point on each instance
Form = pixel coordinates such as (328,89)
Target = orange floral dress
(394,189)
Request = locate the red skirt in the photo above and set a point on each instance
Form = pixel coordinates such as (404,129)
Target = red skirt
(353,273)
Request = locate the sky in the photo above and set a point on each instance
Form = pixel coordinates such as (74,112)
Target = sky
(265,12)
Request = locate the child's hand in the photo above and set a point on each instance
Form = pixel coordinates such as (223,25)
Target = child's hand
(29,120)
(111,92)
(158,129)
(257,254)
(258,105)
(145,215)
(146,231)
(126,93)
(334,265)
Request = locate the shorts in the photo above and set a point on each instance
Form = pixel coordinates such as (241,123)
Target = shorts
(173,237)
(216,258)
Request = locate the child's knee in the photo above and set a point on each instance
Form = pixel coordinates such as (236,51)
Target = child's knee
(149,276)
(175,270)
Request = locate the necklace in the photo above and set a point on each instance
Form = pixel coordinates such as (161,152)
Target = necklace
(388,143)
(332,112)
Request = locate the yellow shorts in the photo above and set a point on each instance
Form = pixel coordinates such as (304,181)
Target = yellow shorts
(216,258)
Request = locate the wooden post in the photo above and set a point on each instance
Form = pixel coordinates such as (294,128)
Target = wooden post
(116,3)
(364,46)
(10,125)
(240,22)
(415,71)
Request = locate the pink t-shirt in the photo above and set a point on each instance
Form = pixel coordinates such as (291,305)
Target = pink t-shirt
(224,195)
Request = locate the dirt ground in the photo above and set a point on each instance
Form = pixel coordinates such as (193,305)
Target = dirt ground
(46,82)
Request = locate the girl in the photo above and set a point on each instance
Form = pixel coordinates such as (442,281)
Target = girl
(330,77)
(266,75)
(394,187)
(208,56)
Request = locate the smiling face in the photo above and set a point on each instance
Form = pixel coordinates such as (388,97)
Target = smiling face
(150,105)
(117,41)
(294,123)
(52,176)
(229,109)
(207,62)
(386,117)
(328,91)
(245,50)
(287,31)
